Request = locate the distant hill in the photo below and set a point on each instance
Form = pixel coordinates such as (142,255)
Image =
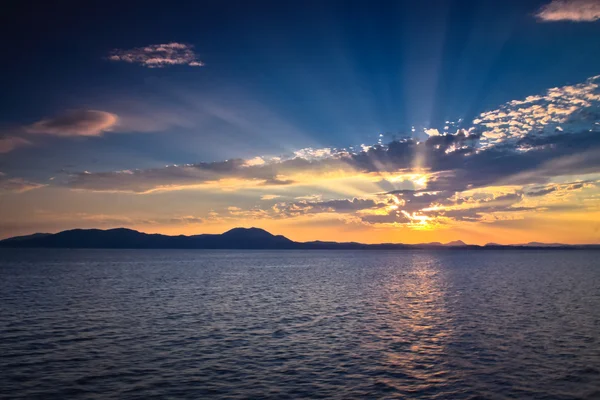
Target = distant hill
(237,238)
(538,244)
(457,243)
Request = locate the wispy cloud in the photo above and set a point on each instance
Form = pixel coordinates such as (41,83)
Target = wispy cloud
(9,143)
(570,10)
(158,55)
(51,220)
(16,185)
(83,123)
(269,196)
(75,123)
(560,190)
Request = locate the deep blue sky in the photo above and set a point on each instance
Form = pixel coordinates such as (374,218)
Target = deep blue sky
(335,72)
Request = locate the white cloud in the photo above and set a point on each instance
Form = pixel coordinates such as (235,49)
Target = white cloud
(572,108)
(158,55)
(310,153)
(255,161)
(75,123)
(432,132)
(570,10)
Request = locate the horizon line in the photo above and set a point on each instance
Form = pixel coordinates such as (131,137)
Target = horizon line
(454,243)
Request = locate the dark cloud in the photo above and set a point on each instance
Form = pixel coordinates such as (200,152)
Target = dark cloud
(459,140)
(469,166)
(477,210)
(334,206)
(394,216)
(347,205)
(541,192)
(455,162)
(561,189)
(268,174)
(545,157)
(522,142)
(416,200)
(415,205)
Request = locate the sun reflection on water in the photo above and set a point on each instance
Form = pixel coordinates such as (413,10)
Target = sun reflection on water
(416,325)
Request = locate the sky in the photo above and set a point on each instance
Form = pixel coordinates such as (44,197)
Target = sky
(369,121)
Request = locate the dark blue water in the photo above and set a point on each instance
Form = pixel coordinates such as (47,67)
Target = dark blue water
(299,324)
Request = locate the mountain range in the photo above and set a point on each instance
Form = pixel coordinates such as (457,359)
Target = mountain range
(237,238)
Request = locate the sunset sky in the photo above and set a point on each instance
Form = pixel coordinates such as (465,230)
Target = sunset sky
(399,121)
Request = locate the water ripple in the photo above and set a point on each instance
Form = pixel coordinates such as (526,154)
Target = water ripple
(322,324)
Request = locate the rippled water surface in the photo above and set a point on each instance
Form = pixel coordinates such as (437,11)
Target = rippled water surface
(294,324)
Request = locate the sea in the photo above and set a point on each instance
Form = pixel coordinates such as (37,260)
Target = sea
(200,324)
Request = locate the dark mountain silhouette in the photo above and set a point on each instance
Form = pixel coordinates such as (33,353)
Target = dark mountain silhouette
(26,237)
(237,238)
(121,238)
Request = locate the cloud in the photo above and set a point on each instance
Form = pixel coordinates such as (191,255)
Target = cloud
(255,161)
(561,189)
(453,162)
(329,206)
(185,220)
(393,217)
(90,123)
(84,219)
(420,209)
(75,123)
(158,55)
(570,10)
(541,192)
(456,179)
(9,143)
(572,108)
(415,200)
(229,175)
(432,132)
(269,196)
(16,185)
(85,123)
